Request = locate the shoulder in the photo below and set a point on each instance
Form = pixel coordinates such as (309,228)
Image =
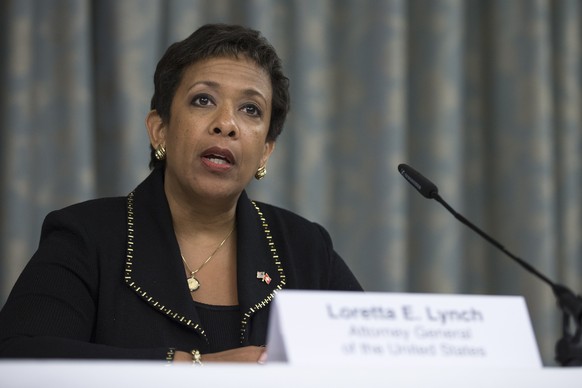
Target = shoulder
(296,230)
(284,217)
(94,216)
(80,236)
(93,209)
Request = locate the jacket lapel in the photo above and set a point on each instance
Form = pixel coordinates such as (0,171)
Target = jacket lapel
(154,269)
(260,273)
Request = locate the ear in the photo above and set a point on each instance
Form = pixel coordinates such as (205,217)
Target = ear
(156,129)
(268,150)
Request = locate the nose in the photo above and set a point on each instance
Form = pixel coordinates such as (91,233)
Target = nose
(225,123)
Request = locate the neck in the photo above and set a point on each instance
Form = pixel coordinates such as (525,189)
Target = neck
(200,215)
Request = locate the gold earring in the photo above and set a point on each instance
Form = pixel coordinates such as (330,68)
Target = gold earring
(261,172)
(160,153)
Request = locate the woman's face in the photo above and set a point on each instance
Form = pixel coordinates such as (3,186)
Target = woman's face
(216,136)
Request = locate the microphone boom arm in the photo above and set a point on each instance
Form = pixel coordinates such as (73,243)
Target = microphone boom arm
(490,239)
(569,347)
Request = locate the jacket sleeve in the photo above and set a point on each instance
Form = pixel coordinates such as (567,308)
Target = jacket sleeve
(52,308)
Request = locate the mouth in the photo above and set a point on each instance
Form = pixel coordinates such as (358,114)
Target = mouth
(218,157)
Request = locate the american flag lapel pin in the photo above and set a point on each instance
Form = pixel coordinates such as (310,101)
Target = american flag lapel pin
(267,278)
(264,277)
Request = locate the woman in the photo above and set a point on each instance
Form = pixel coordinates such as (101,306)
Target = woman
(184,268)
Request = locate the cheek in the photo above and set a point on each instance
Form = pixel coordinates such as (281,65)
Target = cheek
(179,132)
(253,150)
(259,144)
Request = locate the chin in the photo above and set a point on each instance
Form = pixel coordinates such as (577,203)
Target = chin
(222,191)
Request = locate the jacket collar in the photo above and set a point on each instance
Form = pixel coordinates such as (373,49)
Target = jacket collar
(154,268)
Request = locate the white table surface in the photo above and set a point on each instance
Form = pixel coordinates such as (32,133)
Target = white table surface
(146,374)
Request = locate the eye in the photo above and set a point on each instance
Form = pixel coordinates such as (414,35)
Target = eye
(252,110)
(202,100)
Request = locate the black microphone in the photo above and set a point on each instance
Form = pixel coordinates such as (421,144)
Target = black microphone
(423,185)
(569,347)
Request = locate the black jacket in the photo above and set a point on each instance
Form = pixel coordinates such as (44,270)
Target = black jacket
(107,280)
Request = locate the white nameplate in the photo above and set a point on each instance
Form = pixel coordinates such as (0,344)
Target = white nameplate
(393,329)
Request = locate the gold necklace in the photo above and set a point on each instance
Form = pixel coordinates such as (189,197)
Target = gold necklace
(193,283)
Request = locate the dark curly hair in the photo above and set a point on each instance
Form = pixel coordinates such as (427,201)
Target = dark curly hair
(219,40)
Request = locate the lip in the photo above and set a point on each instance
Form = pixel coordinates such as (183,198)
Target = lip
(218,159)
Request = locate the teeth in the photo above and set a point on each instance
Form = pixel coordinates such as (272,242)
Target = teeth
(218,161)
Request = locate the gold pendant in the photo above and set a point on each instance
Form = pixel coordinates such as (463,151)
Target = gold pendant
(193,283)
